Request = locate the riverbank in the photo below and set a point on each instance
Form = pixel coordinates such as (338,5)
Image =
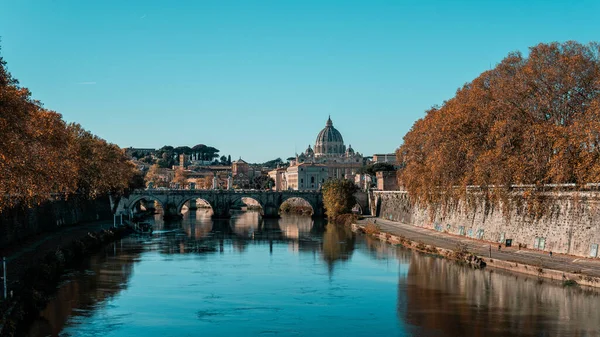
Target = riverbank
(560,267)
(40,277)
(21,254)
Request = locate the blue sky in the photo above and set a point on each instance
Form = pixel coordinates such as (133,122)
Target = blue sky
(257,79)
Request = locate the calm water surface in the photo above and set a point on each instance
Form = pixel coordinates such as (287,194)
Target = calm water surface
(299,277)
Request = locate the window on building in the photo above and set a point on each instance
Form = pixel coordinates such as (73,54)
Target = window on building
(301,180)
(312,180)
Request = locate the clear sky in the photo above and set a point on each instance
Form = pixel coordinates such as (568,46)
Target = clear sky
(257,79)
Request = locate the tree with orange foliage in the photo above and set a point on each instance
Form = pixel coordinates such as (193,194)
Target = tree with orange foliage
(41,156)
(181,177)
(530,120)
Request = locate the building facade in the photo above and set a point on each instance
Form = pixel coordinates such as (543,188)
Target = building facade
(279,177)
(306,176)
(331,154)
(243,174)
(385,158)
(387,180)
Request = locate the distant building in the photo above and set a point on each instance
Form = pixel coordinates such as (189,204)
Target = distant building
(184,160)
(332,156)
(279,177)
(243,173)
(306,176)
(385,158)
(363,181)
(387,181)
(202,179)
(163,177)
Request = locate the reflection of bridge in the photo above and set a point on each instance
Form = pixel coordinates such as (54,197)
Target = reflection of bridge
(221,201)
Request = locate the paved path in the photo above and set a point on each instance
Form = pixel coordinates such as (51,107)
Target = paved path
(566,263)
(20,255)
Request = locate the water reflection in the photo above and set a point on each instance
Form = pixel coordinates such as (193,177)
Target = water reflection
(299,276)
(446,299)
(103,277)
(338,245)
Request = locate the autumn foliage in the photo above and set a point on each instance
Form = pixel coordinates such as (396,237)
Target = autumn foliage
(532,119)
(40,155)
(338,197)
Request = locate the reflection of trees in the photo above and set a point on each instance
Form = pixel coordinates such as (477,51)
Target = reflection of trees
(383,250)
(112,269)
(450,299)
(338,244)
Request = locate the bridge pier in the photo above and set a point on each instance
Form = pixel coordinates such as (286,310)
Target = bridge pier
(171,212)
(221,205)
(270,211)
(221,213)
(318,212)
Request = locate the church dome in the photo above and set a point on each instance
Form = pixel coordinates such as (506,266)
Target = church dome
(329,141)
(350,152)
(309,151)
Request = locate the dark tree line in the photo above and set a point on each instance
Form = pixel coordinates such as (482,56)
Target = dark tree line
(169,155)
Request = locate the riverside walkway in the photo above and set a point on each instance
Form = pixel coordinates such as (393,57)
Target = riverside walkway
(537,258)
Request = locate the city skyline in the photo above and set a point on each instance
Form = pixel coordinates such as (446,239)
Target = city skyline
(258,81)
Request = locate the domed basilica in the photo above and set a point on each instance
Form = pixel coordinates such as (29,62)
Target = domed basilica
(329,159)
(330,148)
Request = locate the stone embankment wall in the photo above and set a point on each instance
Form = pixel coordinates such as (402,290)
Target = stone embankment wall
(19,223)
(570,224)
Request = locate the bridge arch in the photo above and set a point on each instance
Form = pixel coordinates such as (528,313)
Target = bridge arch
(195,197)
(296,197)
(240,199)
(357,209)
(137,199)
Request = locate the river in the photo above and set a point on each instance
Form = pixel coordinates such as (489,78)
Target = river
(296,276)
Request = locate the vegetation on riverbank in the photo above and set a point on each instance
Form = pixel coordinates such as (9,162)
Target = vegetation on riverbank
(338,197)
(533,119)
(296,206)
(42,156)
(296,209)
(344,219)
(41,279)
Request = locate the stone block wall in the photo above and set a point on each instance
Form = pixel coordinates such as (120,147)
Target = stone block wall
(570,225)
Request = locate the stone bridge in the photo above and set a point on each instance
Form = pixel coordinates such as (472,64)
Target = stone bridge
(221,201)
